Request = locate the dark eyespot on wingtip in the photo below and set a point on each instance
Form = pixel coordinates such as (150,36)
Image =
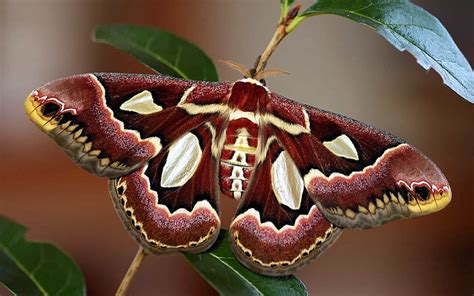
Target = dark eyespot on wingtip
(49,109)
(422,192)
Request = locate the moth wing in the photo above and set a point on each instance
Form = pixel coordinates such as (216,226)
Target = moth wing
(359,176)
(110,123)
(277,227)
(171,204)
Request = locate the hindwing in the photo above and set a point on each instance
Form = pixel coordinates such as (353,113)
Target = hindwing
(171,204)
(277,227)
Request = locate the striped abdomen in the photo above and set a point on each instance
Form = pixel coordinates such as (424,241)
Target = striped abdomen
(238,156)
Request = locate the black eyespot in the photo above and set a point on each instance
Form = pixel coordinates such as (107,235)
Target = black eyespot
(120,190)
(422,192)
(247,253)
(129,213)
(49,109)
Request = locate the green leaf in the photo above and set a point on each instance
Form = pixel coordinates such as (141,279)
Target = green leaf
(162,51)
(407,27)
(224,272)
(28,268)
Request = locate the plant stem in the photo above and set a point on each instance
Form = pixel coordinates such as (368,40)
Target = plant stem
(132,269)
(280,33)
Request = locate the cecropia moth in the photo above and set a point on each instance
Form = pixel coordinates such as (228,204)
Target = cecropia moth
(170,148)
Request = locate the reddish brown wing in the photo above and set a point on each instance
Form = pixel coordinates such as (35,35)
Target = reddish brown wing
(152,135)
(171,204)
(277,227)
(359,177)
(111,124)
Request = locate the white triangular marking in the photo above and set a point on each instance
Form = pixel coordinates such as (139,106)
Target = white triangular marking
(342,146)
(287,183)
(182,162)
(141,103)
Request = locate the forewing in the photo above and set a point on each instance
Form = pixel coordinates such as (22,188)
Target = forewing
(171,204)
(111,124)
(359,176)
(277,227)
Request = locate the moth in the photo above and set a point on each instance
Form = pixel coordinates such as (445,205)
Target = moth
(170,148)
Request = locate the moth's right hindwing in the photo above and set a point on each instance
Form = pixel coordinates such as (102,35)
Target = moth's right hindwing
(278,228)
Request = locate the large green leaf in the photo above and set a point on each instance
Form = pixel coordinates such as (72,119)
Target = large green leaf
(161,51)
(28,268)
(224,272)
(407,27)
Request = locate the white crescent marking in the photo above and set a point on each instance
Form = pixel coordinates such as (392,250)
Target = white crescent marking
(342,146)
(287,183)
(182,162)
(141,103)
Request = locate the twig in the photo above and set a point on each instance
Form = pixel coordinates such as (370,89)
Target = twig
(132,269)
(280,33)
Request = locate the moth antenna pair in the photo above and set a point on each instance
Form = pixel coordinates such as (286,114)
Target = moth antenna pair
(260,76)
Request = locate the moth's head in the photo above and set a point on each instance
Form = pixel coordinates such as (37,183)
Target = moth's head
(61,100)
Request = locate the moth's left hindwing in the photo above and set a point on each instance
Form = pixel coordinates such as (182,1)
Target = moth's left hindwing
(172,203)
(111,124)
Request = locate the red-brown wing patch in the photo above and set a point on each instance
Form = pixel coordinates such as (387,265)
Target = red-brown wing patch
(164,217)
(87,115)
(271,238)
(359,176)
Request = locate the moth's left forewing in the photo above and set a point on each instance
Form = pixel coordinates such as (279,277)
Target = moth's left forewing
(111,123)
(359,176)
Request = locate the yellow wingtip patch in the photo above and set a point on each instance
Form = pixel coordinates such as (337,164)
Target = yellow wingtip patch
(436,203)
(31,106)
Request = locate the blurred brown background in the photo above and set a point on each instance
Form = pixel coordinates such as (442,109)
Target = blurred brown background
(336,65)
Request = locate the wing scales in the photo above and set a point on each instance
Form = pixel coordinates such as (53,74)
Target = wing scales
(267,234)
(388,179)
